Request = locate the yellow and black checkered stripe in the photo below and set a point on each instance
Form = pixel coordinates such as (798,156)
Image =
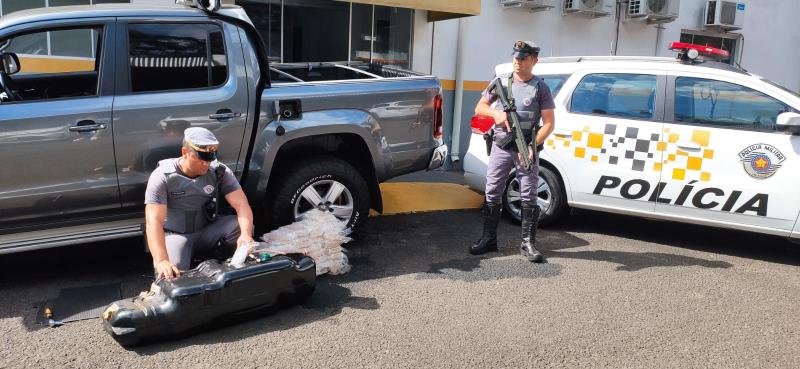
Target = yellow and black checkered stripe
(634,148)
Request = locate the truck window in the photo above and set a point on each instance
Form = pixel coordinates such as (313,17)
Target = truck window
(723,104)
(179,56)
(621,95)
(57,63)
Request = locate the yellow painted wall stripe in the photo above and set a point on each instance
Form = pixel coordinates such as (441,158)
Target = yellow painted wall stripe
(415,197)
(448,84)
(33,64)
(475,86)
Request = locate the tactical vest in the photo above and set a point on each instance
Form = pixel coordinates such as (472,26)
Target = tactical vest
(526,101)
(187,197)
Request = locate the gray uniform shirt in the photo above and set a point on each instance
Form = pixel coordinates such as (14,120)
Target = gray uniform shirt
(531,97)
(188,198)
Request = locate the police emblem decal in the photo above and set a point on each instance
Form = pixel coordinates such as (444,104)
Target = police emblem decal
(527,101)
(208,189)
(761,161)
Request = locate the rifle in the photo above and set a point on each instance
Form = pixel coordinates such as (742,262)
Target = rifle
(510,108)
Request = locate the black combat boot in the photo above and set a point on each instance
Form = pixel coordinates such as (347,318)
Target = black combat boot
(488,241)
(530,219)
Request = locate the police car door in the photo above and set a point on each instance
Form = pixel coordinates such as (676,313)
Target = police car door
(725,164)
(606,138)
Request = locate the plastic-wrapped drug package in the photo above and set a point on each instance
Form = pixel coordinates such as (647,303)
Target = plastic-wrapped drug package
(319,235)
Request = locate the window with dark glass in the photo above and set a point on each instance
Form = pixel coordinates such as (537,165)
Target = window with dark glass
(67,2)
(315,30)
(392,37)
(723,104)
(361,41)
(176,56)
(621,95)
(10,6)
(68,69)
(266,17)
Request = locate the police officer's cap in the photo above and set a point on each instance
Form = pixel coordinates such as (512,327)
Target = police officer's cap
(203,142)
(524,48)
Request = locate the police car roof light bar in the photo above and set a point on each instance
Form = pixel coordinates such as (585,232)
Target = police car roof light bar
(690,52)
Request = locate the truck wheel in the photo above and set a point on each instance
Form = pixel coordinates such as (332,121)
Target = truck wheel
(325,183)
(552,198)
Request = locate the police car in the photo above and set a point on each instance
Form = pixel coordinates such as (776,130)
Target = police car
(685,139)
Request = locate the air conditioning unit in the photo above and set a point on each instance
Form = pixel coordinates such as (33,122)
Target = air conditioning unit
(724,15)
(589,8)
(532,5)
(653,11)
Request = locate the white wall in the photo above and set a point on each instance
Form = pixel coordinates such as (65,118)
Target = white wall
(421,43)
(490,36)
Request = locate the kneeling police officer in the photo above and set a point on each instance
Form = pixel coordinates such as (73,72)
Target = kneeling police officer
(181,205)
(533,102)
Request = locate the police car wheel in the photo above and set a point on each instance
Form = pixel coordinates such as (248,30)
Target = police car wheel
(325,183)
(552,199)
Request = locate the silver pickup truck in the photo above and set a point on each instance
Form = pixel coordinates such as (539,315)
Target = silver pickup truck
(79,135)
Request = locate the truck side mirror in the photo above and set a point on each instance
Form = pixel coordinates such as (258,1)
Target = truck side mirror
(10,63)
(788,122)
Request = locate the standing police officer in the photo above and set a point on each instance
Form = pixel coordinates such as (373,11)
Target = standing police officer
(181,210)
(534,102)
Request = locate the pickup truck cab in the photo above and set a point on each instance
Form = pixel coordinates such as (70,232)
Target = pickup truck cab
(94,96)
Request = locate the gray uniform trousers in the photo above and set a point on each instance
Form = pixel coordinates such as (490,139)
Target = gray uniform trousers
(499,167)
(181,246)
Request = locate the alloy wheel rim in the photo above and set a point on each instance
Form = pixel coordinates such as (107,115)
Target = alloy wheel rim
(514,198)
(329,196)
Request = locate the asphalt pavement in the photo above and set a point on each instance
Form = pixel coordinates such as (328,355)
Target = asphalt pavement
(616,292)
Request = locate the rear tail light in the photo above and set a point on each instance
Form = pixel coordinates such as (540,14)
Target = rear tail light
(438,121)
(481,124)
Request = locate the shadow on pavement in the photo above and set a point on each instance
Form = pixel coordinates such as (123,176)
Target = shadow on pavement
(635,261)
(688,236)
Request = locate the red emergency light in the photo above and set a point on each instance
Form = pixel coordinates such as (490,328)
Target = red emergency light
(692,51)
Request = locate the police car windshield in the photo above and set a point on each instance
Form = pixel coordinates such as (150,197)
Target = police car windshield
(795,94)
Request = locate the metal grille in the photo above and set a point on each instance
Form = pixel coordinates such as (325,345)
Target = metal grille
(728,15)
(657,6)
(568,4)
(634,6)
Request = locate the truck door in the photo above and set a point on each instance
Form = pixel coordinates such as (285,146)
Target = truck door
(175,74)
(606,138)
(56,136)
(725,163)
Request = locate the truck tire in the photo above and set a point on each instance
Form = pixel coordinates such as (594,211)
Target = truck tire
(552,198)
(308,184)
